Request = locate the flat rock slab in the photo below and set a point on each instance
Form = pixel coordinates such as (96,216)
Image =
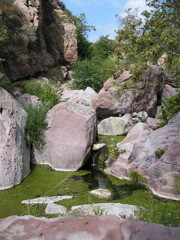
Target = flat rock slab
(117,209)
(46,200)
(88,228)
(53,208)
(101,193)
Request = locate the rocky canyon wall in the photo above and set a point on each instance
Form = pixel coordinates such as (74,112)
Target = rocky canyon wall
(40,36)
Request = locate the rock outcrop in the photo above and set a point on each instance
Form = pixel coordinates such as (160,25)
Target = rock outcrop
(117,98)
(14,154)
(89,228)
(153,154)
(69,137)
(40,36)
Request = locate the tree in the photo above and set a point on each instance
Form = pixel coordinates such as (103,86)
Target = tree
(144,39)
(104,47)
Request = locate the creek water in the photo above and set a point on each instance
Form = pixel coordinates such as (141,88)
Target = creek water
(98,179)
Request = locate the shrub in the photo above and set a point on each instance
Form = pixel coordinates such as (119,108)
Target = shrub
(35,124)
(44,91)
(92,73)
(98,211)
(159,152)
(136,178)
(171,106)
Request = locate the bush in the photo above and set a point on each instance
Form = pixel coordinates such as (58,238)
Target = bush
(159,152)
(171,106)
(92,73)
(35,124)
(44,91)
(136,178)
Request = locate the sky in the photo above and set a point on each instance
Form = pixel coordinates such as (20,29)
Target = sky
(102,14)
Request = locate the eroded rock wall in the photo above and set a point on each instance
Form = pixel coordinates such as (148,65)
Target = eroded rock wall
(40,36)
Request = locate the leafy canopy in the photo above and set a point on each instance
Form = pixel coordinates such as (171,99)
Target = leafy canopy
(143,39)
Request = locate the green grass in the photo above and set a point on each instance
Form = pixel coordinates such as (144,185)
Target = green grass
(41,180)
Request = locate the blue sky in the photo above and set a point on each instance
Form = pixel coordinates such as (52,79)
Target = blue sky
(101,13)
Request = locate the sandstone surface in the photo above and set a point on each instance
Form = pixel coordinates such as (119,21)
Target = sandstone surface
(153,154)
(28,99)
(41,36)
(115,125)
(69,138)
(79,96)
(89,228)
(115,99)
(117,209)
(45,200)
(101,193)
(53,208)
(14,154)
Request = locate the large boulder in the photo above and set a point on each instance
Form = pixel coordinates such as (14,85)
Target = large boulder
(153,154)
(115,125)
(28,99)
(69,137)
(79,96)
(120,210)
(117,98)
(168,91)
(40,36)
(14,154)
(88,228)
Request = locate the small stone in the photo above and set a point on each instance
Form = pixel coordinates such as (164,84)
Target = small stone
(101,193)
(98,146)
(53,208)
(142,115)
(134,114)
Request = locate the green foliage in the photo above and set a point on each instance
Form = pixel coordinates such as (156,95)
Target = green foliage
(92,73)
(159,214)
(103,48)
(35,124)
(171,106)
(136,178)
(159,152)
(142,41)
(44,91)
(3,34)
(34,210)
(49,97)
(98,211)
(177,184)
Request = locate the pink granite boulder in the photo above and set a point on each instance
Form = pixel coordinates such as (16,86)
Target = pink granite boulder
(168,91)
(153,123)
(115,98)
(14,154)
(88,228)
(69,138)
(155,155)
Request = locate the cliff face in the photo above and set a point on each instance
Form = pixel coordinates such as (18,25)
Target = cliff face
(40,36)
